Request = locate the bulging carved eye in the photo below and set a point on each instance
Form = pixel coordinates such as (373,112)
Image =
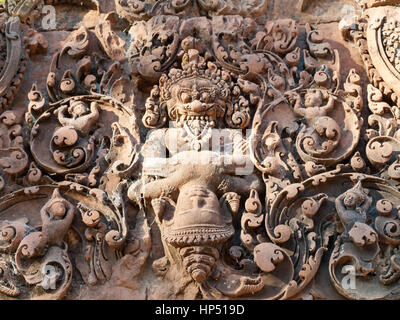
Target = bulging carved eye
(206,97)
(186,98)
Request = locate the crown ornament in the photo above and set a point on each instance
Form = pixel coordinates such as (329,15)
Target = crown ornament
(222,90)
(195,66)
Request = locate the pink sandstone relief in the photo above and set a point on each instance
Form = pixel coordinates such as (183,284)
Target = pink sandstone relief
(196,149)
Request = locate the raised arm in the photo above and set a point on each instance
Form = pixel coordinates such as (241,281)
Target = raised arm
(295,98)
(330,104)
(366,204)
(339,203)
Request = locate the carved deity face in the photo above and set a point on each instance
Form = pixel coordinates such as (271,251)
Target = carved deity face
(57,210)
(195,102)
(352,200)
(313,98)
(78,109)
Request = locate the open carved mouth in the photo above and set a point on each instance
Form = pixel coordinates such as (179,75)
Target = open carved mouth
(196,125)
(187,117)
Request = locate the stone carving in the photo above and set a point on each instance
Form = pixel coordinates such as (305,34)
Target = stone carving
(14,55)
(134,10)
(352,207)
(220,148)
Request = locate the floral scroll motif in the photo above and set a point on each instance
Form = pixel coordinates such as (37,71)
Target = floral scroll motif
(219,150)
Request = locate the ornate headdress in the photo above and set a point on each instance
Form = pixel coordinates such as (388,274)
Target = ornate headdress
(195,66)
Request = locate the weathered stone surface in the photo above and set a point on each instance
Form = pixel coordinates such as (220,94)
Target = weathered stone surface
(200,150)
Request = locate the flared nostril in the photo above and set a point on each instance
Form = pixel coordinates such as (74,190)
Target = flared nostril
(199,276)
(196,106)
